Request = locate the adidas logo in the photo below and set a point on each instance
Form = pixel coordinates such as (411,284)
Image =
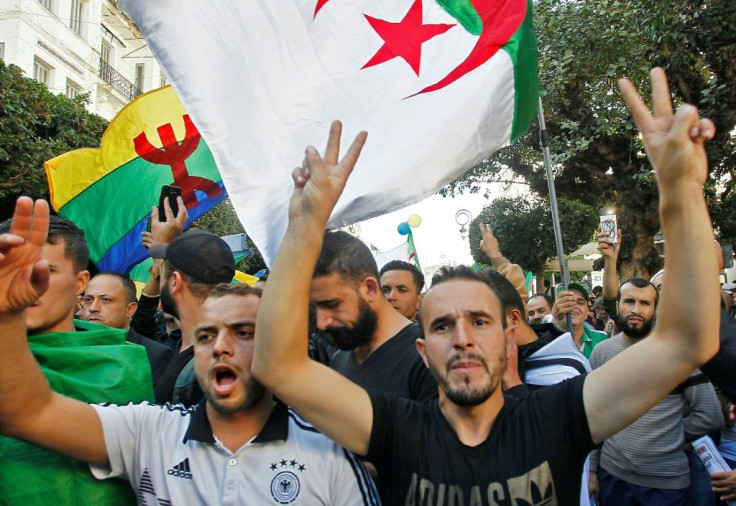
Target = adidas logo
(181,470)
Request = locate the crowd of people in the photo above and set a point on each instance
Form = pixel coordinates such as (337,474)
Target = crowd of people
(339,383)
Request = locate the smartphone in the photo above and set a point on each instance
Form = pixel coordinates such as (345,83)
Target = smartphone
(610,225)
(168,192)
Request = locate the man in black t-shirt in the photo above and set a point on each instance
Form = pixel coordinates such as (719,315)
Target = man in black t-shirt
(474,446)
(376,345)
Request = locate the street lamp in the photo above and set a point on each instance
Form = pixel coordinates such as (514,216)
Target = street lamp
(462,218)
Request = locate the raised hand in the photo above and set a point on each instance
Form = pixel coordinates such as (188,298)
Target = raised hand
(489,243)
(24,276)
(163,232)
(674,142)
(608,250)
(319,182)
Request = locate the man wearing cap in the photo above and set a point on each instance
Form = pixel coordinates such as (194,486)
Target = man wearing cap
(192,265)
(574,301)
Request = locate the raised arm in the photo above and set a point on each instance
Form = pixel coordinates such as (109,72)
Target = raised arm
(510,271)
(29,410)
(610,259)
(686,334)
(337,407)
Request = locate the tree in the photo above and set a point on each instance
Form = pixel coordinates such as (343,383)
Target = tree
(524,230)
(598,159)
(35,126)
(222,220)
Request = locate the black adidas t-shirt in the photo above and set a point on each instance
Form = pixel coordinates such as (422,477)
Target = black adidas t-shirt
(534,453)
(394,368)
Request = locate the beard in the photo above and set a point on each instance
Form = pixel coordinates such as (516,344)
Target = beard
(356,336)
(632,331)
(466,395)
(254,392)
(168,304)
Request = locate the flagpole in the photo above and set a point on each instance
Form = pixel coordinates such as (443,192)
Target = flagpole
(544,138)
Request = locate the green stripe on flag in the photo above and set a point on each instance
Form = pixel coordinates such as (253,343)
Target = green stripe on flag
(124,197)
(465,13)
(522,48)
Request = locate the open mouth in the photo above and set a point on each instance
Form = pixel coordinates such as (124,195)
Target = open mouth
(224,379)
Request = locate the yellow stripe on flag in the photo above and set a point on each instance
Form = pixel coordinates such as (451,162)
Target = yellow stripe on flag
(72,173)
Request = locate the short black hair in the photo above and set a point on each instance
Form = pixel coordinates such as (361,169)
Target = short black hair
(400,265)
(346,255)
(546,297)
(129,290)
(75,245)
(639,283)
(463,272)
(240,289)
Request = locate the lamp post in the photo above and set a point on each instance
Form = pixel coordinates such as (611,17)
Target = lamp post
(462,218)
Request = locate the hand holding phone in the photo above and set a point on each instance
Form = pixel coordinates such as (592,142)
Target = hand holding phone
(170,193)
(609,225)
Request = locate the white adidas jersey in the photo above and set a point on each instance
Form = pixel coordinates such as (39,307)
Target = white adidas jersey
(170,457)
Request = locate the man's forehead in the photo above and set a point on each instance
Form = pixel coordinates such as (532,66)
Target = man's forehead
(398,277)
(329,285)
(645,293)
(472,295)
(104,283)
(538,302)
(231,306)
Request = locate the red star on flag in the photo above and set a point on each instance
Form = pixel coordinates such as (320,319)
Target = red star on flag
(405,38)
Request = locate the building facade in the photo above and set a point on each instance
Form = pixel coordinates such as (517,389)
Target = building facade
(79,46)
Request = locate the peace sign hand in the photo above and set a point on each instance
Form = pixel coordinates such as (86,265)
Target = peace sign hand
(319,183)
(674,142)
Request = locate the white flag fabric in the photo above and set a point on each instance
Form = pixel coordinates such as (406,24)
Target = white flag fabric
(400,252)
(438,85)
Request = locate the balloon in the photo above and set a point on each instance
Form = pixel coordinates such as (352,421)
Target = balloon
(414,221)
(404,228)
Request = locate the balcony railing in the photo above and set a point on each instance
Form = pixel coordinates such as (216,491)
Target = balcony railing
(117,81)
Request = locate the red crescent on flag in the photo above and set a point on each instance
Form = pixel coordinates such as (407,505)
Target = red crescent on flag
(501,19)
(320,4)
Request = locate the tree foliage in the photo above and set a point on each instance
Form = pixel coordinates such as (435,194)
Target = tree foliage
(585,47)
(524,230)
(35,126)
(222,220)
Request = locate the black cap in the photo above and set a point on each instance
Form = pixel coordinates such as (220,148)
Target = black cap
(199,254)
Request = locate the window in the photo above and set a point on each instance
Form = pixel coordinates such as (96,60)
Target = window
(46,3)
(41,71)
(2,50)
(106,53)
(140,73)
(162,81)
(75,18)
(72,89)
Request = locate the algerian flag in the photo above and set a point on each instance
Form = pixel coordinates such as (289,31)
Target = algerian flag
(438,85)
(412,250)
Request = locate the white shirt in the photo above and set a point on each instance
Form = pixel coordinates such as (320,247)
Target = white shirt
(170,456)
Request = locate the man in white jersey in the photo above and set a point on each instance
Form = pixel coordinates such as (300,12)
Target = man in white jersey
(237,446)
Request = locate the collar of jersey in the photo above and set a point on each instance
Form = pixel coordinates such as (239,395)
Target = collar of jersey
(276,428)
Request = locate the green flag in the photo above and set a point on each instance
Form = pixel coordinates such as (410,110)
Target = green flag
(96,365)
